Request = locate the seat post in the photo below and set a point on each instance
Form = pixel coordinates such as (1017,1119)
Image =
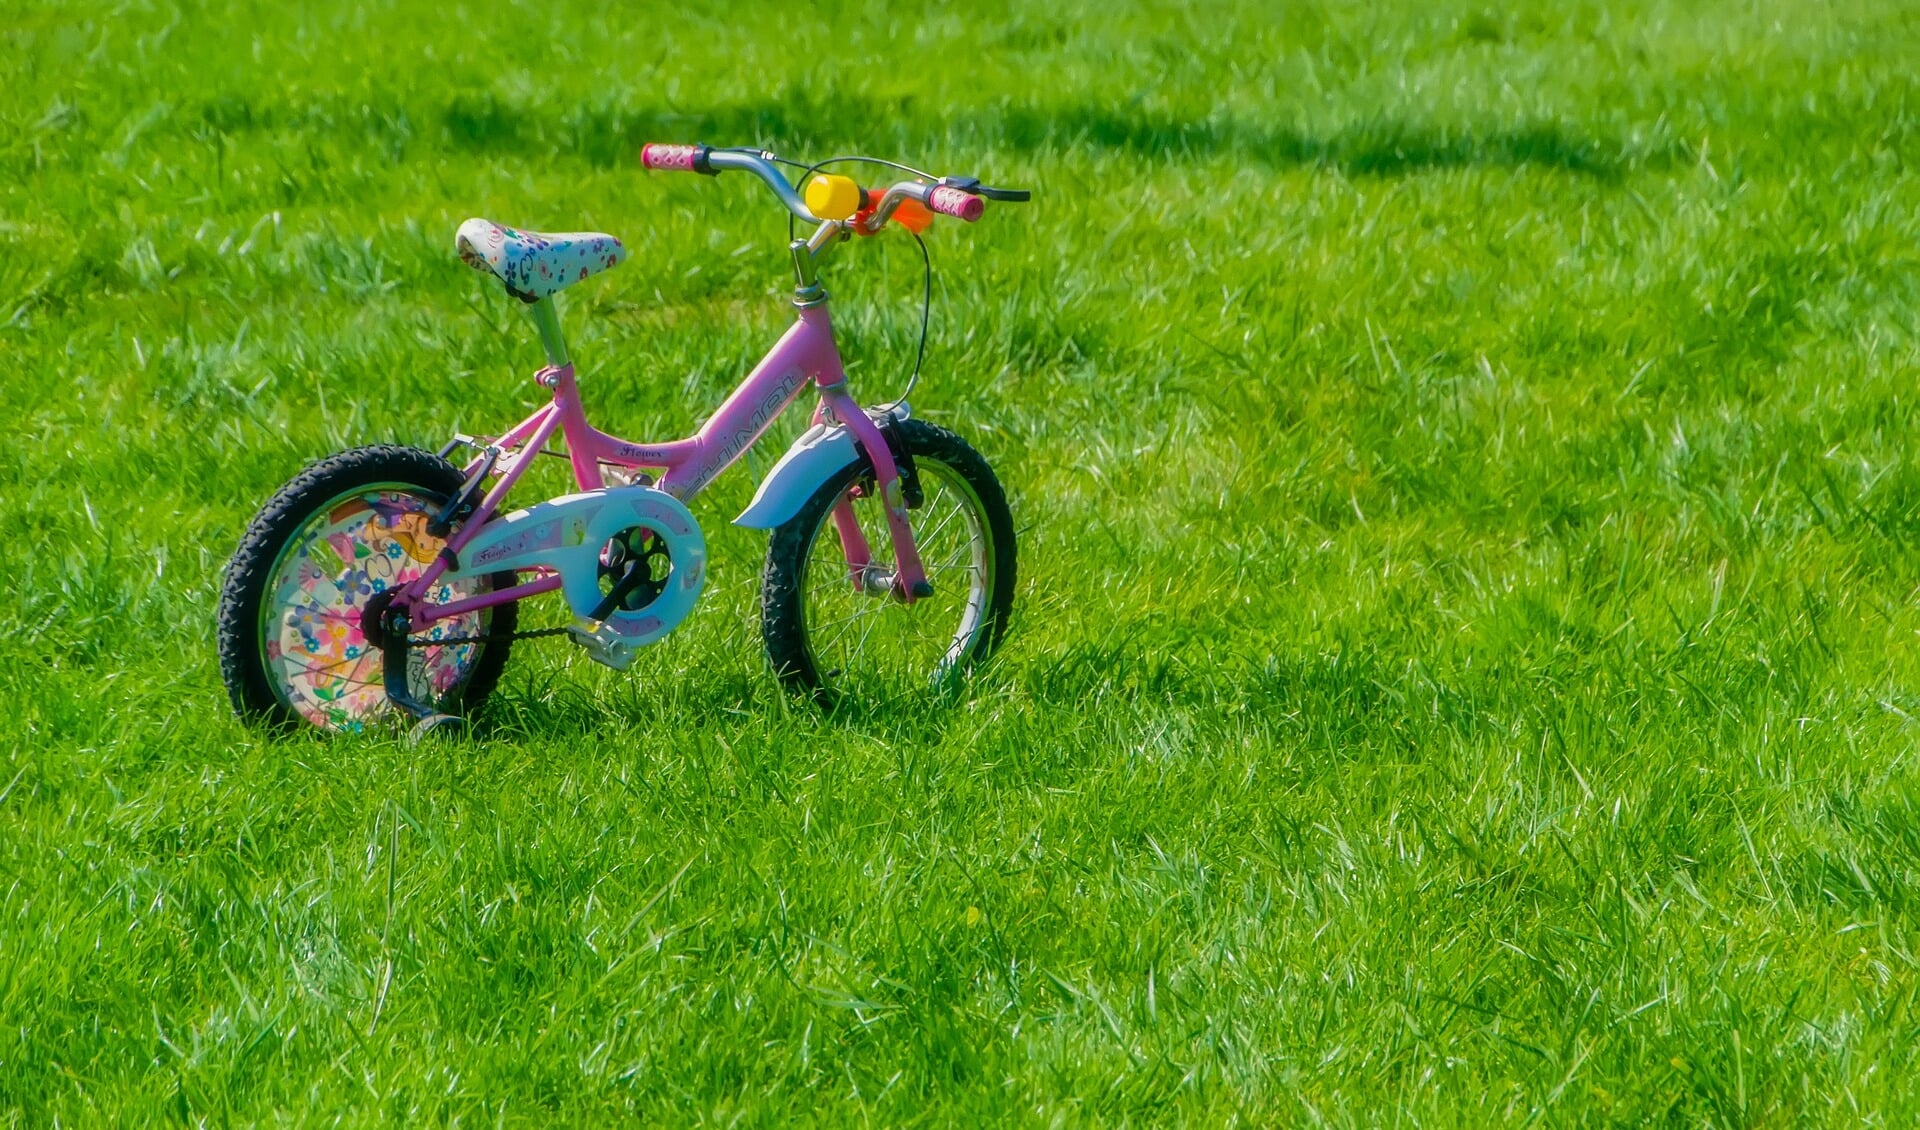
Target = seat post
(546,319)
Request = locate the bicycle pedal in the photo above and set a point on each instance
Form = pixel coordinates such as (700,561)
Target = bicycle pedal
(602,644)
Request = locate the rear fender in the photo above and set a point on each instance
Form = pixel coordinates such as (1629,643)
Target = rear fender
(814,458)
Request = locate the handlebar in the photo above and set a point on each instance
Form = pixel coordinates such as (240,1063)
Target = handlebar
(710,162)
(963,198)
(953,202)
(939,198)
(661,156)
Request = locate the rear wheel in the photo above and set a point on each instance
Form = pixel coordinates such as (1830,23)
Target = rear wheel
(343,534)
(827,630)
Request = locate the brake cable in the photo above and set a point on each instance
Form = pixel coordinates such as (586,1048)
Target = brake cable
(926,314)
(926,258)
(913,378)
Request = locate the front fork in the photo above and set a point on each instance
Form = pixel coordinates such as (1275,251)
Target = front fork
(909,581)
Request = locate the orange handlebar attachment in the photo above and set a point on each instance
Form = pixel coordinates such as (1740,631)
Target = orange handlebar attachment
(833,197)
(913,216)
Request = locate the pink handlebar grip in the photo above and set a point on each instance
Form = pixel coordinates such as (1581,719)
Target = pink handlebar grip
(655,155)
(952,202)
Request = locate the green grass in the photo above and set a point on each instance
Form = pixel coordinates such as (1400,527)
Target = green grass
(1465,668)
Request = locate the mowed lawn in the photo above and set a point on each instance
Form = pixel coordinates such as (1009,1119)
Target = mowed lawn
(1466,664)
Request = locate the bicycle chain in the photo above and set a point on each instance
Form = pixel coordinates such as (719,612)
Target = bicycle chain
(537,633)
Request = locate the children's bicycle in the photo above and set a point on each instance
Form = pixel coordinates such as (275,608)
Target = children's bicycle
(385,581)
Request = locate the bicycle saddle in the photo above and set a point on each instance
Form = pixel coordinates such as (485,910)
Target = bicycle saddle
(532,264)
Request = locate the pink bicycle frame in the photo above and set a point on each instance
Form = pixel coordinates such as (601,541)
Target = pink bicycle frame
(806,352)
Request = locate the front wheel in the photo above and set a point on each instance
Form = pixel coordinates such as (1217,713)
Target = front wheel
(828,629)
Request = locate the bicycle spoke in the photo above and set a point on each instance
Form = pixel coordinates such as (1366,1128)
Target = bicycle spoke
(849,622)
(327,668)
(855,635)
(928,538)
(860,648)
(854,615)
(353,686)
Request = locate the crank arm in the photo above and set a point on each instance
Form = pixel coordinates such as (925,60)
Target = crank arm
(635,576)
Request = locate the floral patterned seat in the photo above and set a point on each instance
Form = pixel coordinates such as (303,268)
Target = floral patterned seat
(533,264)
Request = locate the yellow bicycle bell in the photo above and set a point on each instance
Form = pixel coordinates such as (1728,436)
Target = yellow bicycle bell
(833,197)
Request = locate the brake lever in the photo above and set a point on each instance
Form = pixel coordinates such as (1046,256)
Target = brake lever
(972,186)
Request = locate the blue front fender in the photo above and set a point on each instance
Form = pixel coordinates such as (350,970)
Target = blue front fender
(812,459)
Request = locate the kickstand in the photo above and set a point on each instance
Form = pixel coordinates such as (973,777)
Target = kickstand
(393,677)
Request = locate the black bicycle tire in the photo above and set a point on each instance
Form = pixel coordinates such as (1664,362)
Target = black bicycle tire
(781,619)
(241,649)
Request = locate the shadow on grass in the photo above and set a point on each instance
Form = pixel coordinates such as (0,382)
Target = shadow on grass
(1382,148)
(817,121)
(548,706)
